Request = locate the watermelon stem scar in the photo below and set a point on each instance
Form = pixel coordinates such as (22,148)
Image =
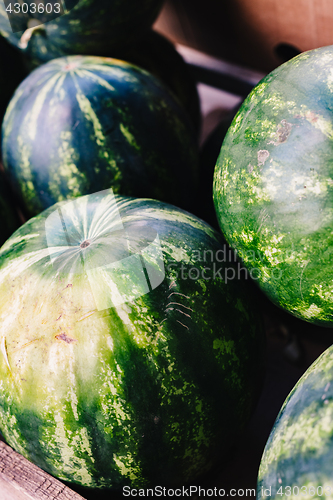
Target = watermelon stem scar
(70,66)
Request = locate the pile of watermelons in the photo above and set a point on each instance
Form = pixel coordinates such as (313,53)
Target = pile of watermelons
(132,346)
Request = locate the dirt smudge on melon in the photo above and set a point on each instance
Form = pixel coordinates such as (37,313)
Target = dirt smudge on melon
(282,133)
(263,154)
(65,338)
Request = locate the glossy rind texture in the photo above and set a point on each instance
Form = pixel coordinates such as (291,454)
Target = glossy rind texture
(273,185)
(78,125)
(148,391)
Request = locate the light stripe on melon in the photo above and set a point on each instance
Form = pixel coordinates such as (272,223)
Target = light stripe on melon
(82,124)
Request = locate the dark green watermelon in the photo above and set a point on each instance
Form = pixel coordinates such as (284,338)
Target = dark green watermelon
(273,186)
(154,53)
(81,124)
(130,355)
(87,27)
(297,460)
(9,219)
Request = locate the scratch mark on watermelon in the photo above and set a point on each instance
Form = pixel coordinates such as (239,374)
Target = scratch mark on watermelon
(177,303)
(182,324)
(4,352)
(85,316)
(26,344)
(178,293)
(174,309)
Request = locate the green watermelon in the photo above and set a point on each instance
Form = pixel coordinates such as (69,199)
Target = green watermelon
(82,124)
(9,219)
(87,27)
(273,185)
(130,355)
(297,460)
(154,53)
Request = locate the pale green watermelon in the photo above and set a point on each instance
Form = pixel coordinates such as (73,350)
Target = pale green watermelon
(129,355)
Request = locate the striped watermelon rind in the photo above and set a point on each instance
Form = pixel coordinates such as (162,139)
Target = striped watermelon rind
(273,185)
(297,460)
(81,124)
(149,391)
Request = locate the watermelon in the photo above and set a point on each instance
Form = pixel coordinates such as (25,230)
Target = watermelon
(87,27)
(131,355)
(297,460)
(273,185)
(81,124)
(9,218)
(154,53)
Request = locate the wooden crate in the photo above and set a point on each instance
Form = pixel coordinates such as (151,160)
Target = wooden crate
(22,480)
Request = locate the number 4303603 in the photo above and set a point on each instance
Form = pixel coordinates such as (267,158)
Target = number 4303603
(41,11)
